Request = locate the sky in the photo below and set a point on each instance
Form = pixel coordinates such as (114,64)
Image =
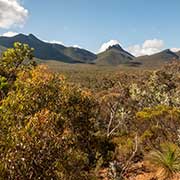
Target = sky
(140,26)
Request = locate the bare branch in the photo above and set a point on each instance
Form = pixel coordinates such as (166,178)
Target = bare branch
(131,157)
(113,109)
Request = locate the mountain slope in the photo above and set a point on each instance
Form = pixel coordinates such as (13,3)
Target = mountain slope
(48,51)
(2,49)
(81,55)
(158,59)
(178,53)
(114,55)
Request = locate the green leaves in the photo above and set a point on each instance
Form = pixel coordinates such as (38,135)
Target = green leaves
(55,122)
(14,59)
(167,160)
(3,83)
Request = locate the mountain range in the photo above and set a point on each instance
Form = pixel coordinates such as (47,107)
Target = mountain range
(50,51)
(114,55)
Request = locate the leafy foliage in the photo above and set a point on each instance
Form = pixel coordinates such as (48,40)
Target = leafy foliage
(12,61)
(54,128)
(48,128)
(167,159)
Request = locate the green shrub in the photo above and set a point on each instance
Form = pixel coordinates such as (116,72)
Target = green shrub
(48,129)
(166,160)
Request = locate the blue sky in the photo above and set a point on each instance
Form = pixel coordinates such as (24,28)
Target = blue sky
(90,23)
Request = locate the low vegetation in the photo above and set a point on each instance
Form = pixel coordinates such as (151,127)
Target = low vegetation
(166,160)
(87,123)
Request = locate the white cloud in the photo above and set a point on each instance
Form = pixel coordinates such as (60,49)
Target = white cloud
(56,42)
(175,49)
(106,45)
(149,47)
(76,46)
(12,13)
(9,34)
(154,43)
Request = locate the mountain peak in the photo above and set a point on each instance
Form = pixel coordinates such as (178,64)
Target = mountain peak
(167,51)
(115,46)
(170,53)
(32,35)
(114,55)
(19,35)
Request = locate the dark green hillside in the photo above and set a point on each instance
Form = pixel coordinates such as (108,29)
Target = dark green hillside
(48,51)
(81,55)
(42,50)
(114,55)
(158,59)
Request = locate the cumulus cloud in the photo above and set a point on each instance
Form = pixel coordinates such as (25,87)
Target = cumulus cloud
(175,49)
(106,45)
(12,13)
(149,47)
(9,34)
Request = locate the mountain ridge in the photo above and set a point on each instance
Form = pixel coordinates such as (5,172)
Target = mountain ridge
(50,51)
(114,55)
(158,59)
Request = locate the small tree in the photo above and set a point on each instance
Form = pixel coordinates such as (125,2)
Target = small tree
(12,61)
(15,59)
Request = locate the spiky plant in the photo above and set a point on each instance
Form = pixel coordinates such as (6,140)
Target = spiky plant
(166,160)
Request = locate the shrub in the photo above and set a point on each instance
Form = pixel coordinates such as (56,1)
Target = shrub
(167,160)
(158,124)
(12,61)
(48,129)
